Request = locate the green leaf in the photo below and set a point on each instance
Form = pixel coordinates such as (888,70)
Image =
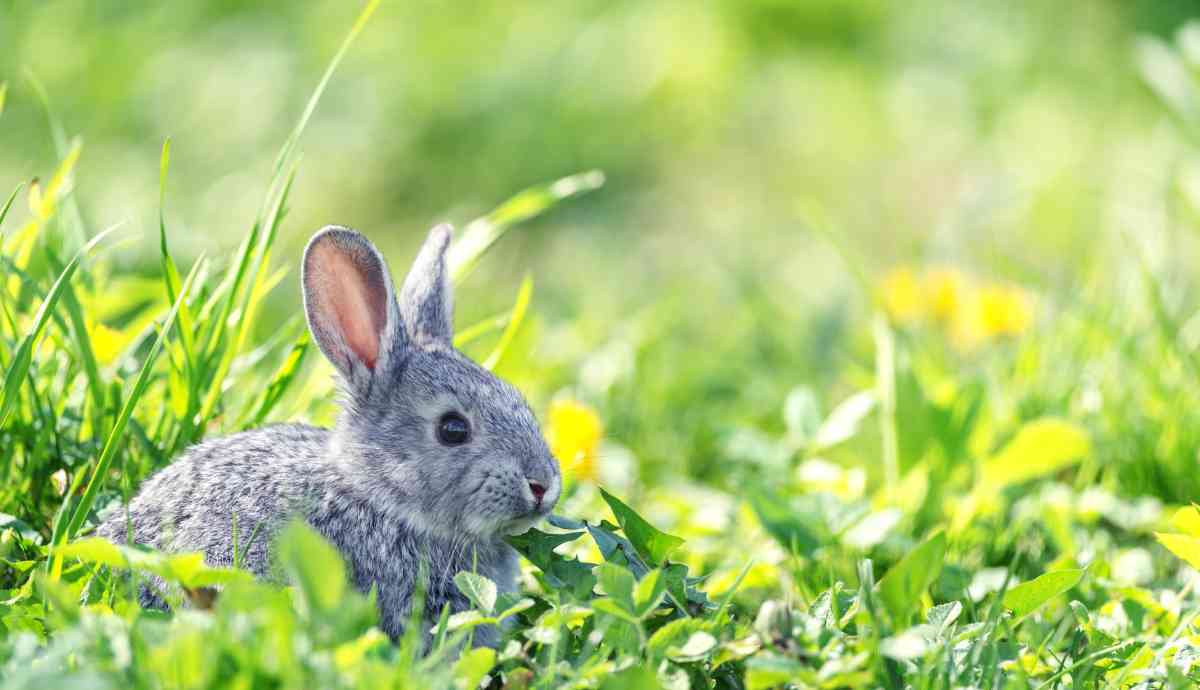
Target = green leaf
(616,609)
(651,544)
(801,415)
(186,569)
(472,666)
(547,630)
(788,526)
(671,633)
(1187,520)
(1184,546)
(902,586)
(190,570)
(648,593)
(1041,447)
(568,574)
(943,615)
(698,646)
(520,605)
(842,424)
(313,566)
(772,671)
(96,550)
(637,677)
(617,583)
(538,546)
(1028,597)
(480,590)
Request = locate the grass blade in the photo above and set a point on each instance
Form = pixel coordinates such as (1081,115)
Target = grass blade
(514,323)
(279,384)
(8,204)
(482,233)
(87,354)
(290,145)
(477,330)
(23,357)
(249,305)
(73,217)
(118,430)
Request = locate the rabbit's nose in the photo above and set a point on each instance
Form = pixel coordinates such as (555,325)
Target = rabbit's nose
(537,489)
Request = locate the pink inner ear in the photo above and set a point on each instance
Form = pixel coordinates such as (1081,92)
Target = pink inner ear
(356,297)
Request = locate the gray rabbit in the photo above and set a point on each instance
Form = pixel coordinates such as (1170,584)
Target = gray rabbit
(432,457)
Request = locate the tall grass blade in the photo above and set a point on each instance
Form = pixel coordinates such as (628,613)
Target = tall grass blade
(62,146)
(170,270)
(87,354)
(482,233)
(477,330)
(524,294)
(8,204)
(23,357)
(118,430)
(290,144)
(249,304)
(278,385)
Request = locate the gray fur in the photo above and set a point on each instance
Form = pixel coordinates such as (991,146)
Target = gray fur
(379,485)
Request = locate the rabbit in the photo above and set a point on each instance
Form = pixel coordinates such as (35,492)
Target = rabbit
(432,457)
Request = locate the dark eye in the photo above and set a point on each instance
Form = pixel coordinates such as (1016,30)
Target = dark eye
(453,429)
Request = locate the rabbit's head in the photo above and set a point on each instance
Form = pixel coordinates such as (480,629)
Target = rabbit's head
(426,433)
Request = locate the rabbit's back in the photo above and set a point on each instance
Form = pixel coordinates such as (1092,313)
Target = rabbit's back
(226,497)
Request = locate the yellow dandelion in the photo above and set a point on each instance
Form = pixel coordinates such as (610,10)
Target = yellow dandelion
(107,343)
(573,431)
(945,290)
(901,295)
(1004,310)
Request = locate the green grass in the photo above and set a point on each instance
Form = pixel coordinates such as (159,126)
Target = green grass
(846,498)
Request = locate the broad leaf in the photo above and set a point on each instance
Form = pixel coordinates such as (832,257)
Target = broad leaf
(472,666)
(618,583)
(313,566)
(789,526)
(903,585)
(652,544)
(480,590)
(1182,545)
(1042,447)
(648,593)
(1027,597)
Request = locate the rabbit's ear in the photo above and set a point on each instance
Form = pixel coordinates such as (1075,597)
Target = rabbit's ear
(349,303)
(426,302)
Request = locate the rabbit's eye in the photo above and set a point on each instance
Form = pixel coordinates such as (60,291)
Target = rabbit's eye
(453,429)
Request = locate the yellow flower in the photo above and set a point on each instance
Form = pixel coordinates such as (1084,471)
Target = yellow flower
(1004,310)
(107,343)
(945,289)
(573,431)
(900,292)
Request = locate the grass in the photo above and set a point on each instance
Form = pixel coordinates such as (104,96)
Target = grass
(997,500)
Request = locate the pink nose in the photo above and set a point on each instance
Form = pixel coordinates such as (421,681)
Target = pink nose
(538,490)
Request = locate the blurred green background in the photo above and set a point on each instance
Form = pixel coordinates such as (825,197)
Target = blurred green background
(758,153)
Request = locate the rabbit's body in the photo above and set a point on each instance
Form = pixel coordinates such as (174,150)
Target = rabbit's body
(433,460)
(240,490)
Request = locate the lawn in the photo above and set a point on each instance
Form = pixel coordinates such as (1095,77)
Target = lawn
(867,339)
